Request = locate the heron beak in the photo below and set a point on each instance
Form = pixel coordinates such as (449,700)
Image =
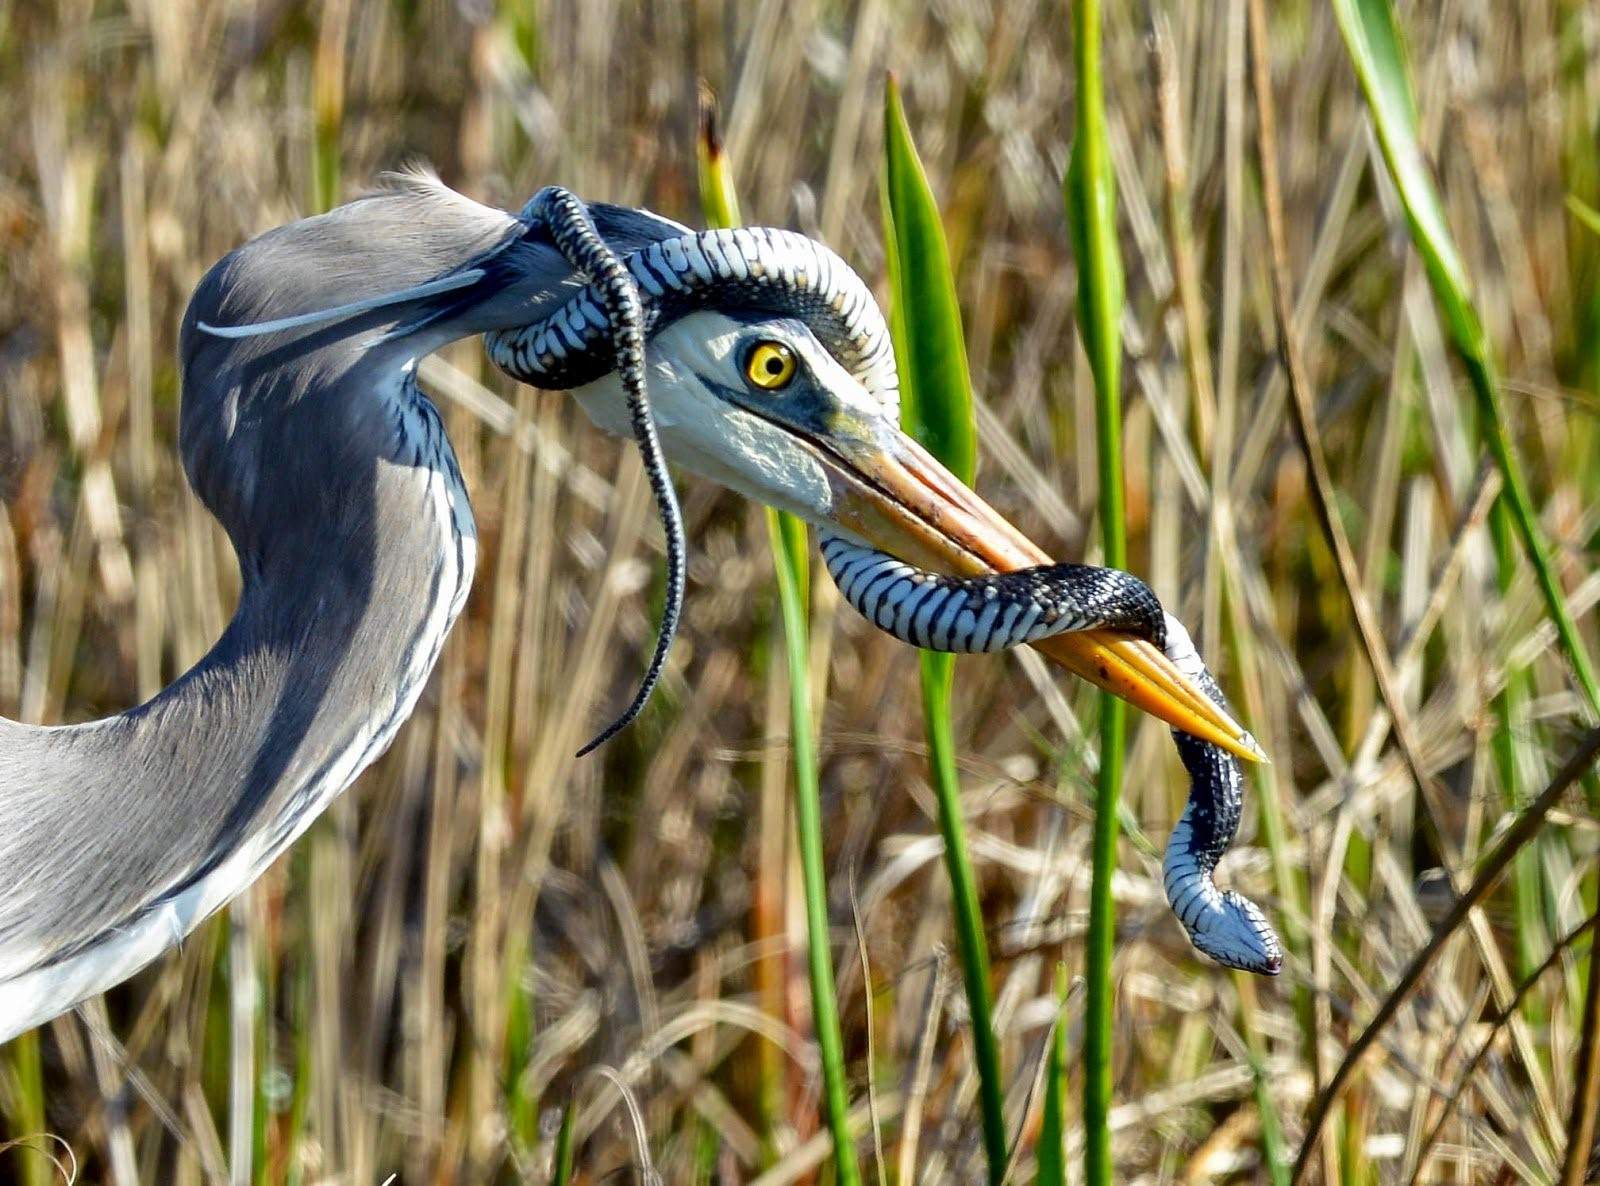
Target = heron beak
(897,497)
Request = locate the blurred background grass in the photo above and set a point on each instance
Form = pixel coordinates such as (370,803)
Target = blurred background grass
(424,984)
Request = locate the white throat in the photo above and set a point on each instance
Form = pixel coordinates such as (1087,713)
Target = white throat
(704,433)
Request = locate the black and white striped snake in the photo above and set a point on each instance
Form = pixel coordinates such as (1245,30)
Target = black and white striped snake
(977,615)
(789,275)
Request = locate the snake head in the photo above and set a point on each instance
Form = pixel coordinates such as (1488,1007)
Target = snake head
(1234,932)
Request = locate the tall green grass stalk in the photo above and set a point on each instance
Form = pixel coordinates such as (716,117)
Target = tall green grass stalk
(27,1115)
(1090,192)
(1275,1158)
(561,1170)
(1584,213)
(327,103)
(790,561)
(1377,53)
(1052,1152)
(936,409)
(1373,39)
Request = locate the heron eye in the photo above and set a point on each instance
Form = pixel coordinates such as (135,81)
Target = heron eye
(770,365)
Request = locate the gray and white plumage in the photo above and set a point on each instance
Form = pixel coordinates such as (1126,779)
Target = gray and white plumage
(331,473)
(304,433)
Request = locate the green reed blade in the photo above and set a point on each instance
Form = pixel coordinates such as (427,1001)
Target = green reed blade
(1377,52)
(936,408)
(790,561)
(1091,196)
(719,201)
(27,1114)
(1584,213)
(931,354)
(327,105)
(561,1173)
(1378,55)
(1052,1152)
(1274,1153)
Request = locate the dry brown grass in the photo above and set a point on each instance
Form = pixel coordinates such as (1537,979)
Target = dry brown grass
(483,923)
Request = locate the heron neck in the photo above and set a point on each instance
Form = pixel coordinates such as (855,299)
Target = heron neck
(144,823)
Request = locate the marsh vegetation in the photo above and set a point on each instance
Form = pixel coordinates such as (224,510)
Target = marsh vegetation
(493,962)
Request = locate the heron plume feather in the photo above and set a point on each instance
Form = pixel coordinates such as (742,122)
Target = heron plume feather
(416,292)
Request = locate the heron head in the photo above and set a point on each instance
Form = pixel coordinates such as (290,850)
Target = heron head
(754,402)
(770,372)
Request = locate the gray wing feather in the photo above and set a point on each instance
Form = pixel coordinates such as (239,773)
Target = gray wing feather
(282,437)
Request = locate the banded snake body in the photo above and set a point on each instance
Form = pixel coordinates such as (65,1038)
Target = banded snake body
(973,615)
(598,331)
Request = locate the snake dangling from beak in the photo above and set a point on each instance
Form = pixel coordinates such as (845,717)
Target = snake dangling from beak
(603,328)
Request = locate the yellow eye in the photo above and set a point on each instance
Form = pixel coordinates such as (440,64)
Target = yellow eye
(770,365)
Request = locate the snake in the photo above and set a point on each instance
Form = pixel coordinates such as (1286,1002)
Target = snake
(985,614)
(630,296)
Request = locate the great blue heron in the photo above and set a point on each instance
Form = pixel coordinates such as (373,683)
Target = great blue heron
(303,431)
